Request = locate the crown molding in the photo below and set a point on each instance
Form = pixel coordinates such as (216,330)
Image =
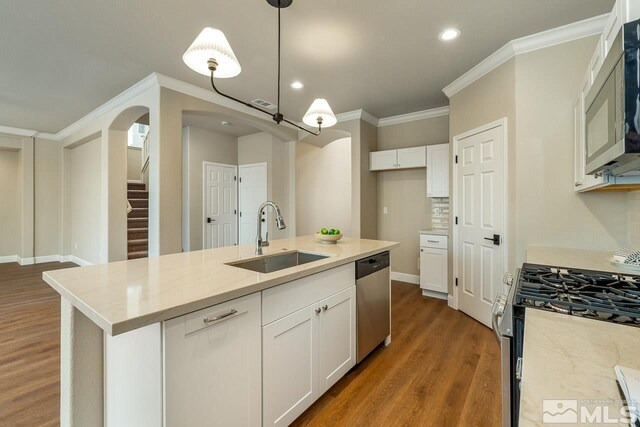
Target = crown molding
(544,39)
(26,133)
(412,117)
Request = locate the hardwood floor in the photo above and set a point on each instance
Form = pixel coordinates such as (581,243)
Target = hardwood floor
(441,369)
(29,346)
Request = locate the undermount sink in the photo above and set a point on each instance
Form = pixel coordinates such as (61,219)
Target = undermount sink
(271,263)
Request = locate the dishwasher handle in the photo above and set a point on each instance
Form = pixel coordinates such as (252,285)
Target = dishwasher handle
(372,264)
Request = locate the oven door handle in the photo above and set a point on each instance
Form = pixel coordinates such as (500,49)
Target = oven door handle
(496,313)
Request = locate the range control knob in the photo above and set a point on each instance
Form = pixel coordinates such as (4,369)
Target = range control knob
(507,279)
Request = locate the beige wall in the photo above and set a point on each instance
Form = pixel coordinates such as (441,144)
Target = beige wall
(548,212)
(535,92)
(323,187)
(368,182)
(198,146)
(403,192)
(9,219)
(48,194)
(85,201)
(265,148)
(134,163)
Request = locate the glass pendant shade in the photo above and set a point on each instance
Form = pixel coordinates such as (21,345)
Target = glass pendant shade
(320,108)
(212,43)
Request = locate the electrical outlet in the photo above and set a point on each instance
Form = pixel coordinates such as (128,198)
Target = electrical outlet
(385,210)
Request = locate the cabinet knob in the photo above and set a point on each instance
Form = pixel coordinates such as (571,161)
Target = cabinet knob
(318,310)
(325,307)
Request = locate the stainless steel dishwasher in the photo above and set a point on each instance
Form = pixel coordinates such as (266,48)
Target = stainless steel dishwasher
(373,297)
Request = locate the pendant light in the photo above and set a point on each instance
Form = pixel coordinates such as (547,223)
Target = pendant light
(210,54)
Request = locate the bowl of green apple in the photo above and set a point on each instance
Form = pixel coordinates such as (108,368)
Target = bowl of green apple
(329,235)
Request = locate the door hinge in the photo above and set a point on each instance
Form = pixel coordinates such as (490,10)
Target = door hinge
(240,179)
(456,220)
(456,158)
(235,212)
(240,213)
(456,281)
(235,178)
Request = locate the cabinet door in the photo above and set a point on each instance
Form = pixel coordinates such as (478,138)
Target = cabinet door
(213,371)
(433,269)
(438,170)
(381,160)
(415,157)
(613,25)
(337,338)
(290,366)
(596,60)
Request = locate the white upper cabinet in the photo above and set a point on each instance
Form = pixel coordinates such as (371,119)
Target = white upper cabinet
(382,160)
(596,60)
(403,158)
(415,157)
(623,11)
(438,170)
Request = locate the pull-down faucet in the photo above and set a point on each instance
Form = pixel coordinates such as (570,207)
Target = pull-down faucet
(279,223)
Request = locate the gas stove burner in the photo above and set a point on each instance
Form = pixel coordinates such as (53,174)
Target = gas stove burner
(593,294)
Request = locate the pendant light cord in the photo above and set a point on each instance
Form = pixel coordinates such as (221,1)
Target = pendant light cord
(279,57)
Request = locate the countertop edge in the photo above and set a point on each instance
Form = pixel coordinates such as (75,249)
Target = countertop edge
(118,328)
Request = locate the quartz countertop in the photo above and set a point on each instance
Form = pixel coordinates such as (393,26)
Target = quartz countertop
(435,231)
(574,258)
(570,357)
(126,295)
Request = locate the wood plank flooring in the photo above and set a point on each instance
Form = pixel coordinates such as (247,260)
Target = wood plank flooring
(441,369)
(29,346)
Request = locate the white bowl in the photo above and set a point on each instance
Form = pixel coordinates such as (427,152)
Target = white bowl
(328,238)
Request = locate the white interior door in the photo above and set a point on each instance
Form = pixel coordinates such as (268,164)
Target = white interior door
(480,210)
(220,206)
(253,192)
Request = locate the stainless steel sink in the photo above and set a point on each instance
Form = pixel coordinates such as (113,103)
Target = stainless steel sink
(277,262)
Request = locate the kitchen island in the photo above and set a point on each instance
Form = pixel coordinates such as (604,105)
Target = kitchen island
(144,339)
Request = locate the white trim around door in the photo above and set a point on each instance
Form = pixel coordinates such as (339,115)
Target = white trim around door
(454,299)
(229,216)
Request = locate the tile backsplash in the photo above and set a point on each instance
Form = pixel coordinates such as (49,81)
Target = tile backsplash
(440,213)
(634,219)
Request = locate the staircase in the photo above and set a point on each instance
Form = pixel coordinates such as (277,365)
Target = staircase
(138,221)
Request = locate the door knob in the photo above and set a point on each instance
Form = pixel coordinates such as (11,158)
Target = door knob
(495,239)
(210,220)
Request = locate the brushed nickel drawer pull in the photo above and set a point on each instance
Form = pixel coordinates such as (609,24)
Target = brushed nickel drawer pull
(433,241)
(220,316)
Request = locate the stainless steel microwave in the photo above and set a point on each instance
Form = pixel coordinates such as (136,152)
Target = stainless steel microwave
(613,108)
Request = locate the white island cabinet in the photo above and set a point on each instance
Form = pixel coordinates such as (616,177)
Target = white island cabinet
(312,343)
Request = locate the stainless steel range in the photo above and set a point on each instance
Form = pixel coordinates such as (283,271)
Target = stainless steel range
(610,297)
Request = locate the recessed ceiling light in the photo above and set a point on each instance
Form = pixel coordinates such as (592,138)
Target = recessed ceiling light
(297,85)
(449,34)
(225,123)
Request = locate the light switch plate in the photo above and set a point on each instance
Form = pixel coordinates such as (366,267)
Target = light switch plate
(385,210)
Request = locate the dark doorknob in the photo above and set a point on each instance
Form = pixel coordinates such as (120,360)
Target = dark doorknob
(495,239)
(210,220)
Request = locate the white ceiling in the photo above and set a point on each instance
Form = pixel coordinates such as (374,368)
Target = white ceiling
(214,123)
(63,58)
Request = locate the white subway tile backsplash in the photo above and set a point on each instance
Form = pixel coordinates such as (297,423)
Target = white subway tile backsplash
(440,217)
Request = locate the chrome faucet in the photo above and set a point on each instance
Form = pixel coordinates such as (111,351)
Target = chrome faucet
(279,223)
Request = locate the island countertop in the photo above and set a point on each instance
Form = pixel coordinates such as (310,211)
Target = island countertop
(126,295)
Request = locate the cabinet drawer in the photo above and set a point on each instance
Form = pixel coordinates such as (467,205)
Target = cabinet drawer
(433,241)
(217,314)
(282,300)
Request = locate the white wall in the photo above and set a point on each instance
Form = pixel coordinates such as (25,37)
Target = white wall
(198,146)
(85,201)
(323,187)
(134,163)
(9,220)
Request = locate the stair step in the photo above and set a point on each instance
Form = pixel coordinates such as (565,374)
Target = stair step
(137,194)
(136,186)
(139,213)
(139,203)
(137,233)
(136,255)
(137,223)
(137,245)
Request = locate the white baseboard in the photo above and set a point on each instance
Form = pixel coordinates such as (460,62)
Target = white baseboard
(43,259)
(26,261)
(451,302)
(433,294)
(404,277)
(10,258)
(74,259)
(47,258)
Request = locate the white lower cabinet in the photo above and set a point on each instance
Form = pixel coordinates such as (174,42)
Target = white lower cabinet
(434,265)
(212,366)
(305,353)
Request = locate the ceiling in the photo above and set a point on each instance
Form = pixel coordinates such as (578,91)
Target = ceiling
(64,58)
